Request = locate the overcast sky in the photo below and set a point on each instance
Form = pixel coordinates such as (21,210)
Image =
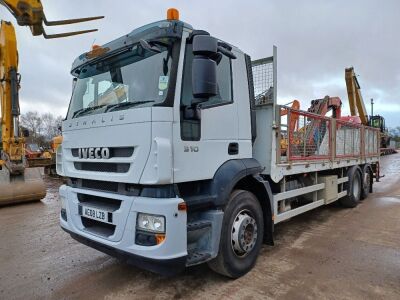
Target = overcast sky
(316,40)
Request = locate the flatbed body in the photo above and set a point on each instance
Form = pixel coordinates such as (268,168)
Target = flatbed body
(313,144)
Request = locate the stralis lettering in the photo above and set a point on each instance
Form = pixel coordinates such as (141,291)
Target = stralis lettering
(94,153)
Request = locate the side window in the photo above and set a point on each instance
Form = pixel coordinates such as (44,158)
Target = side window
(191,129)
(224,77)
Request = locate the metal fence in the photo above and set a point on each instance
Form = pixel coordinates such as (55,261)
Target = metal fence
(307,136)
(263,80)
(371,141)
(348,139)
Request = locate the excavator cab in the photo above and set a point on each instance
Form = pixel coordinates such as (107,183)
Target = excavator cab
(378,122)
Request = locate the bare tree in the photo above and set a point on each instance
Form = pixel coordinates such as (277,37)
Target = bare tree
(395,133)
(42,127)
(33,122)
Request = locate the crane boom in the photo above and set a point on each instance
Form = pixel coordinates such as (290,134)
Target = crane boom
(356,102)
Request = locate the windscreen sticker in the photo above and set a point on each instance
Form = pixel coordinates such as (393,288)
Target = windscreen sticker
(163,82)
(160,93)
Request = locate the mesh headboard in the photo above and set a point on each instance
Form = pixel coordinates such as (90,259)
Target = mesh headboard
(264,79)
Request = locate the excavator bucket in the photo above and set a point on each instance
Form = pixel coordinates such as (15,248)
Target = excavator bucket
(28,187)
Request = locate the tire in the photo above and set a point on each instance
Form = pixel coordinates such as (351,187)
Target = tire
(367,181)
(353,187)
(241,235)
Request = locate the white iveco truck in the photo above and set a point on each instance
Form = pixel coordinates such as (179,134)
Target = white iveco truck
(176,152)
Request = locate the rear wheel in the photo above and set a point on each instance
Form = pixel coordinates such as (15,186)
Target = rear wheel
(241,235)
(353,187)
(367,181)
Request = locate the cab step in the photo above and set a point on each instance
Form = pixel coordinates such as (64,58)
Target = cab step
(195,258)
(202,224)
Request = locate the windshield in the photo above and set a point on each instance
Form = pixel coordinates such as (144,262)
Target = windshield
(136,78)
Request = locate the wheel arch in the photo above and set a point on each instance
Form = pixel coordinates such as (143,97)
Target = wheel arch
(245,174)
(261,189)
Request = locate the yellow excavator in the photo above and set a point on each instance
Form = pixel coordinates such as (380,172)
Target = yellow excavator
(356,102)
(357,107)
(17,182)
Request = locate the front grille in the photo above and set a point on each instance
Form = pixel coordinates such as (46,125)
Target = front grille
(102,167)
(105,186)
(107,204)
(98,228)
(100,202)
(114,152)
(100,185)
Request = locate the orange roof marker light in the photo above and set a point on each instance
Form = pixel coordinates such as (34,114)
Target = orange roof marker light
(96,51)
(172,14)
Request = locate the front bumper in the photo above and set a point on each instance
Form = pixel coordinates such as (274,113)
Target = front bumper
(167,258)
(167,267)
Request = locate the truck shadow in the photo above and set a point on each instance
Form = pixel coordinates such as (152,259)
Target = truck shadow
(116,279)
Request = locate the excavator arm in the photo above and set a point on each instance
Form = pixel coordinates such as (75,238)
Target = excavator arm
(11,140)
(356,102)
(30,13)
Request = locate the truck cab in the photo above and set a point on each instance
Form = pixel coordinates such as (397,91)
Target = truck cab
(158,125)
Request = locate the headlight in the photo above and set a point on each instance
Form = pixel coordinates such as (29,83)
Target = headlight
(151,223)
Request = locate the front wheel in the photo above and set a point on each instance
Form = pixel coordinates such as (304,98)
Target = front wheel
(241,235)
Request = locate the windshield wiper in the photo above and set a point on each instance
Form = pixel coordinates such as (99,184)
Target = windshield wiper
(112,107)
(85,110)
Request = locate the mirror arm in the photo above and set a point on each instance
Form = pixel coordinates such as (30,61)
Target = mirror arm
(146,45)
(226,52)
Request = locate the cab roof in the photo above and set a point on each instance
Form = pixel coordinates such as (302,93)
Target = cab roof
(164,28)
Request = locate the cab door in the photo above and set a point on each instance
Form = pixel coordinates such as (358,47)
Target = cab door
(201,146)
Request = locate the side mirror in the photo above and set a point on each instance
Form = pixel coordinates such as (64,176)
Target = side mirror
(204,68)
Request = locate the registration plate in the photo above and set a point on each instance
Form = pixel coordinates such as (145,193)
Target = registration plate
(96,214)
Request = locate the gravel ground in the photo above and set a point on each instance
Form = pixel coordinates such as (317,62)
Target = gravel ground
(329,252)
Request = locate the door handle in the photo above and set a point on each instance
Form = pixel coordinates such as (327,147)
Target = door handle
(233,148)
